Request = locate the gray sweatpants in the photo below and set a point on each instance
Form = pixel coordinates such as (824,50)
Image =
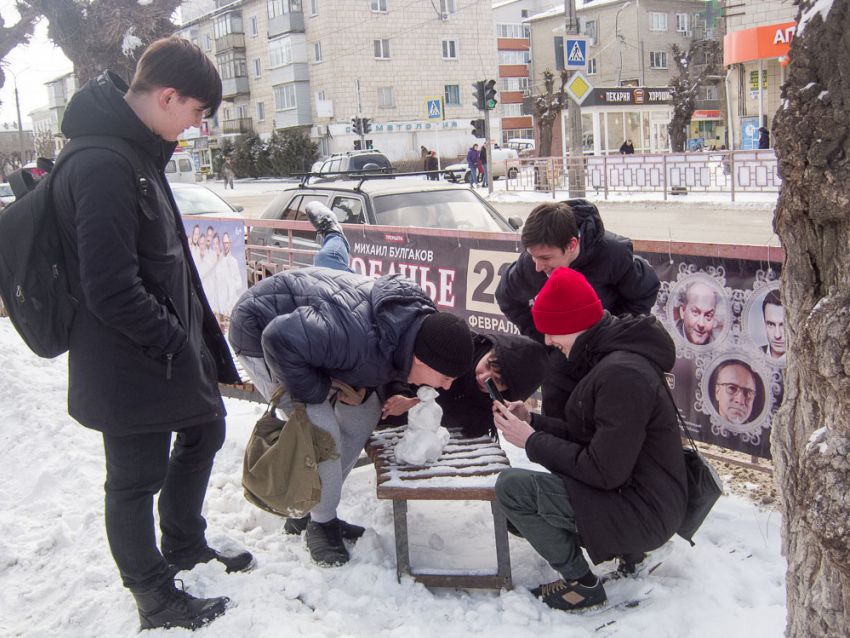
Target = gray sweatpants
(349,425)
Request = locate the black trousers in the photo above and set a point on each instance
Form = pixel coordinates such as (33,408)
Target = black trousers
(137,467)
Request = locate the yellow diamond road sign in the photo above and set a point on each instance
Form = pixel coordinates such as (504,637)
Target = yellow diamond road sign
(579,87)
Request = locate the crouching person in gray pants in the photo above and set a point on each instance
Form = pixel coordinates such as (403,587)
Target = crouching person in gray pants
(304,328)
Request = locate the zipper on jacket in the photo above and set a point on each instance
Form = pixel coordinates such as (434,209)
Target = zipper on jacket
(168,358)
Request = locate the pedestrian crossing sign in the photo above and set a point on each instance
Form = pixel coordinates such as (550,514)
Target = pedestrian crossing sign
(575,53)
(434,108)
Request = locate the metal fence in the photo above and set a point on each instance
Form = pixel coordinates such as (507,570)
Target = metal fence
(732,172)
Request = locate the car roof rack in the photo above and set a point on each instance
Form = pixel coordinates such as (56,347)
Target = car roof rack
(365,176)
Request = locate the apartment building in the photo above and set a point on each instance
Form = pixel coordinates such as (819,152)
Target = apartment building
(59,91)
(756,45)
(313,65)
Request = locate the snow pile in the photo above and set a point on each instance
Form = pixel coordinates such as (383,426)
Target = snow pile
(425,439)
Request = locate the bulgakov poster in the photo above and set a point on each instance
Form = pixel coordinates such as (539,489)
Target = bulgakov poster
(218,249)
(728,323)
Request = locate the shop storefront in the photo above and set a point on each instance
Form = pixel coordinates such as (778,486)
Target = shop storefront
(610,116)
(706,130)
(756,58)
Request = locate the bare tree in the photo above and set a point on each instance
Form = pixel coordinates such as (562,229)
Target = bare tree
(547,108)
(811,431)
(18,33)
(684,88)
(45,145)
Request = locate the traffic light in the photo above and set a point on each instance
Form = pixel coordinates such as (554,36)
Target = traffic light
(367,125)
(490,94)
(478,128)
(356,126)
(480,103)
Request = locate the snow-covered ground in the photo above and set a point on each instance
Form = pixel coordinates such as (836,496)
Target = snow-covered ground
(57,577)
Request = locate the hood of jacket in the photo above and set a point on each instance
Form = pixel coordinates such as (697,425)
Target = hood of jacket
(643,335)
(399,307)
(524,363)
(99,108)
(590,228)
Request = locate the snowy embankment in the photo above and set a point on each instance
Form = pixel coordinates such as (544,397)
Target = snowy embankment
(58,579)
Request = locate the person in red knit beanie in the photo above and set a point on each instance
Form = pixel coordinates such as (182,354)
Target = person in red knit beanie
(616,482)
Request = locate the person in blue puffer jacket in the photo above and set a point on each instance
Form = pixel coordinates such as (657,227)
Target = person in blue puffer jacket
(304,328)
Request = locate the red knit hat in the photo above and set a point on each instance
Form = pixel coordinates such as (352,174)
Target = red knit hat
(566,305)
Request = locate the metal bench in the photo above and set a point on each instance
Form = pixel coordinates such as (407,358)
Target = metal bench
(466,471)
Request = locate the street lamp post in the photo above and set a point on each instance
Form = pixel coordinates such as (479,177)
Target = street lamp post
(18,107)
(619,39)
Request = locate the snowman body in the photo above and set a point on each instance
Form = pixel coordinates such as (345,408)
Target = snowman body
(425,439)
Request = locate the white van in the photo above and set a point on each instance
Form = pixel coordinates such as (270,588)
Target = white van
(180,168)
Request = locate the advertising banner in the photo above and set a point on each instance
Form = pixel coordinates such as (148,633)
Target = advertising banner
(218,248)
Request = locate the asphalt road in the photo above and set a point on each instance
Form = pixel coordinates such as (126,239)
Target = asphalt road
(722,222)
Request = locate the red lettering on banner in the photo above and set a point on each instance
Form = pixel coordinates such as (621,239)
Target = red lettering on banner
(376,267)
(398,239)
(442,292)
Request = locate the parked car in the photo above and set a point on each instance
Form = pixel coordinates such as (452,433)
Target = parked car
(194,199)
(401,201)
(368,160)
(505,161)
(33,168)
(524,147)
(180,169)
(6,195)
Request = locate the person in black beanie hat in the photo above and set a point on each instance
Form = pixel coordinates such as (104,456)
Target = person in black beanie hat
(304,329)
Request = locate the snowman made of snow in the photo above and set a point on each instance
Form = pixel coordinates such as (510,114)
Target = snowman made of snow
(425,439)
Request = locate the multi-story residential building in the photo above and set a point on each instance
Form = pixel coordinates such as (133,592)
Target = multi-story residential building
(758,37)
(59,91)
(313,65)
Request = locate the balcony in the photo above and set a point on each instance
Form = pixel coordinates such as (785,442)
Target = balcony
(295,72)
(239,126)
(232,87)
(230,41)
(292,21)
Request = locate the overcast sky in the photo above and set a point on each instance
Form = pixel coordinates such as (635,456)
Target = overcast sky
(35,64)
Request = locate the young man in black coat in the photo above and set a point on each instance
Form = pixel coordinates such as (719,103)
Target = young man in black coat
(146,353)
(617,485)
(571,234)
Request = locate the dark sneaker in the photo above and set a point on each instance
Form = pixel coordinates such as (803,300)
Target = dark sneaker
(640,565)
(324,540)
(323,219)
(233,561)
(348,531)
(571,596)
(166,606)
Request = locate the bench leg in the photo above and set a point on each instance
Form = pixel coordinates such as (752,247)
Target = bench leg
(503,551)
(402,548)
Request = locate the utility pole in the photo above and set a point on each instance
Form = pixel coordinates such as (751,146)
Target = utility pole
(576,157)
(18,107)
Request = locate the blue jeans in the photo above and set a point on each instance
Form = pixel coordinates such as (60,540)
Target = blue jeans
(484,176)
(473,176)
(137,467)
(333,253)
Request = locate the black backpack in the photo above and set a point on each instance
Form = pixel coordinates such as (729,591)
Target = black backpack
(33,276)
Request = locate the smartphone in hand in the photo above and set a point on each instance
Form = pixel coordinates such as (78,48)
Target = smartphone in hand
(494,391)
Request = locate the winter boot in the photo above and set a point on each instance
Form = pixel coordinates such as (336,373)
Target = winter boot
(349,532)
(572,595)
(166,606)
(324,540)
(323,220)
(233,561)
(639,565)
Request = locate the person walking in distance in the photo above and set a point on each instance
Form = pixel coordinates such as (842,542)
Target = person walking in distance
(472,159)
(146,354)
(227,173)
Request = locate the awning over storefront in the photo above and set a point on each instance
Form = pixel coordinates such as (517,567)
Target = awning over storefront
(771,41)
(703,115)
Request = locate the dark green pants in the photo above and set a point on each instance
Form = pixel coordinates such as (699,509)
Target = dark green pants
(538,505)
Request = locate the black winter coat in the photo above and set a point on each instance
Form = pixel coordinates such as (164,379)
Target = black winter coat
(146,353)
(314,324)
(619,449)
(624,282)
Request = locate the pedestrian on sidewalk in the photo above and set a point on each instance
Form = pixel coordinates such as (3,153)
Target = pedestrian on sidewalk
(227,173)
(472,160)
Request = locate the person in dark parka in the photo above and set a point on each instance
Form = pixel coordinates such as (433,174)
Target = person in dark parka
(764,138)
(617,484)
(146,353)
(571,234)
(302,329)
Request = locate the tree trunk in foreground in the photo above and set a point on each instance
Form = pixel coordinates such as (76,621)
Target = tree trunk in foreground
(811,431)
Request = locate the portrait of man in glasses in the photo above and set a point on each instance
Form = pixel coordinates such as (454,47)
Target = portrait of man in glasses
(735,391)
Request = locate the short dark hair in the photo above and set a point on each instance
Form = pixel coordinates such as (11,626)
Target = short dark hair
(551,224)
(179,64)
(771,299)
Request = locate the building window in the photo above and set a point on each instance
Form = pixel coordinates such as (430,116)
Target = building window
(261,111)
(448,6)
(317,52)
(657,21)
(386,97)
(280,7)
(682,22)
(591,66)
(382,49)
(379,5)
(258,69)
(513,31)
(314,7)
(590,30)
(207,42)
(240,111)
(518,133)
(232,65)
(706,128)
(450,49)
(193,36)
(658,60)
(513,84)
(559,53)
(513,57)
(510,110)
(280,52)
(226,115)
(452,92)
(284,97)
(227,23)
(709,93)
(320,96)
